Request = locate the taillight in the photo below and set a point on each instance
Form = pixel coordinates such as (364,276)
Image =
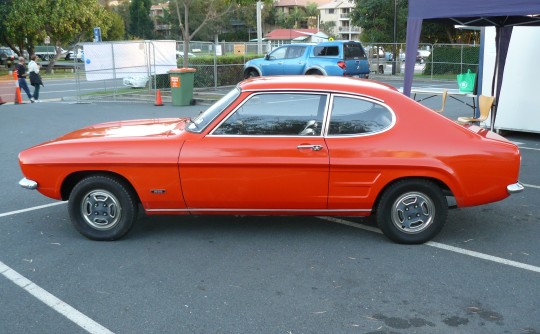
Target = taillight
(342,64)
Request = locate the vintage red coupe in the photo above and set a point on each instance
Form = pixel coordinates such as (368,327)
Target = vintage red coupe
(299,145)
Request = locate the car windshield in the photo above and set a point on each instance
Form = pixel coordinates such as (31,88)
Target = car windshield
(200,122)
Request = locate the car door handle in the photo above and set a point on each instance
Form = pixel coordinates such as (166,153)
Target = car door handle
(313,147)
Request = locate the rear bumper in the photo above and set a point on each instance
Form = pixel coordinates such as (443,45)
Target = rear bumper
(515,188)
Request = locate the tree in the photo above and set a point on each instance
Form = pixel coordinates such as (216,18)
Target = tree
(312,15)
(141,25)
(211,10)
(117,30)
(328,28)
(25,23)
(376,17)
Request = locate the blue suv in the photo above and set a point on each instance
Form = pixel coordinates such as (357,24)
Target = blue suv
(337,58)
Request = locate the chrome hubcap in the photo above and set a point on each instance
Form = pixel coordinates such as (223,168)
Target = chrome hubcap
(101,209)
(413,212)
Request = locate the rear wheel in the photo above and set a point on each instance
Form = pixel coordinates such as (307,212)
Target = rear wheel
(314,72)
(102,208)
(412,211)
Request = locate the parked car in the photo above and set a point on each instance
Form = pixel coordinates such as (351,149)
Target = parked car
(137,81)
(180,54)
(374,51)
(336,58)
(422,55)
(289,145)
(77,55)
(45,52)
(6,54)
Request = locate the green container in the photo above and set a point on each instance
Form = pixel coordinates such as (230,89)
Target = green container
(181,80)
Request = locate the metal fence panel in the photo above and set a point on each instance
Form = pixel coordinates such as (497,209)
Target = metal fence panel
(433,61)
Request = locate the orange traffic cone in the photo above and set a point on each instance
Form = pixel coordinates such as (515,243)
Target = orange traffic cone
(18,97)
(159,102)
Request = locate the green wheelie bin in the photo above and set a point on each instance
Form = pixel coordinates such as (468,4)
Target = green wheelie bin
(181,80)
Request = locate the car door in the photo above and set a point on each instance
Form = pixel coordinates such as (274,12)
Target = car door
(268,155)
(273,62)
(295,60)
(359,163)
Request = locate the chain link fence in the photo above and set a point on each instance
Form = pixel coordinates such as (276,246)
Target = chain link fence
(433,61)
(221,64)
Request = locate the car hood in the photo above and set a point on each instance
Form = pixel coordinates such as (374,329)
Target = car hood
(157,127)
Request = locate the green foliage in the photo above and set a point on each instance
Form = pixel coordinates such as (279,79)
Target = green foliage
(25,23)
(117,31)
(227,75)
(141,25)
(452,60)
(376,17)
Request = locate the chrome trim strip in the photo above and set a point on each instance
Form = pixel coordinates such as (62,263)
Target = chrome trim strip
(515,188)
(28,184)
(259,210)
(313,90)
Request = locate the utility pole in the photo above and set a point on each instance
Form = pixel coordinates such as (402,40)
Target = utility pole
(396,56)
(259,27)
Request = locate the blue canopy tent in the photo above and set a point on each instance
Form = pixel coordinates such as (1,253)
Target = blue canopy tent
(502,14)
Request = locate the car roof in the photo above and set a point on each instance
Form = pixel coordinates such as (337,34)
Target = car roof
(316,83)
(339,42)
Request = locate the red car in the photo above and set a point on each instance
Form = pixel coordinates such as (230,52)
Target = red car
(299,145)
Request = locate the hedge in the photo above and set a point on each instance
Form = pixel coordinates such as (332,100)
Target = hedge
(229,69)
(452,60)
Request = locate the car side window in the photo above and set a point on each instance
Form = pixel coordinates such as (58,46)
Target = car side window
(278,53)
(295,51)
(277,114)
(350,116)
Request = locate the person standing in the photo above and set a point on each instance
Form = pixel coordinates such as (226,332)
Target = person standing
(21,76)
(35,78)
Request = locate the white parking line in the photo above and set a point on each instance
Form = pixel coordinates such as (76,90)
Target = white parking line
(30,209)
(50,300)
(443,246)
(530,185)
(529,148)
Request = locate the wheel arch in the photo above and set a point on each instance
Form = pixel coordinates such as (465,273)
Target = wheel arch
(308,71)
(256,69)
(71,180)
(443,186)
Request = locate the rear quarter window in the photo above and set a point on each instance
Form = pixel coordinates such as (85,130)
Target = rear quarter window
(326,51)
(356,116)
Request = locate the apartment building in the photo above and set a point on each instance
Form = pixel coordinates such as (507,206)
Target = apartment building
(339,12)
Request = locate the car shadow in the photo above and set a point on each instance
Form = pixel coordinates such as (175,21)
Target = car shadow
(245,226)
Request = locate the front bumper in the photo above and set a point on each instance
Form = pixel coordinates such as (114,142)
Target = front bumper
(515,188)
(28,184)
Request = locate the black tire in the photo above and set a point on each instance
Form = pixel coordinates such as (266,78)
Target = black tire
(251,74)
(412,211)
(314,72)
(102,208)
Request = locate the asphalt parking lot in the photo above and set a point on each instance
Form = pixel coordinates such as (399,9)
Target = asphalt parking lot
(258,274)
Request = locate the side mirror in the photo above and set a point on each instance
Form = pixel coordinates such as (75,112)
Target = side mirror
(267,57)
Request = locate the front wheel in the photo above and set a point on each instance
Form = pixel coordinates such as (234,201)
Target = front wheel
(412,211)
(102,208)
(251,74)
